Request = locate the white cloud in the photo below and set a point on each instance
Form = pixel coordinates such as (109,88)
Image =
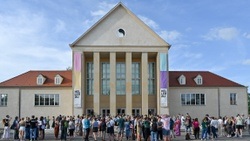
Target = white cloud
(60,26)
(246,35)
(246,62)
(104,7)
(227,33)
(170,36)
(192,55)
(26,44)
(152,24)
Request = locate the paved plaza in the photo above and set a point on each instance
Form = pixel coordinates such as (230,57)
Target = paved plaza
(49,136)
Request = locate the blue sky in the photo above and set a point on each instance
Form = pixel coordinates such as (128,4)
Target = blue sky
(206,35)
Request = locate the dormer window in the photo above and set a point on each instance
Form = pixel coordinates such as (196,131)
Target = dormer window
(198,80)
(182,80)
(40,79)
(58,79)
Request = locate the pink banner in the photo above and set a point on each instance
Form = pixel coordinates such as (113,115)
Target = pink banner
(77,61)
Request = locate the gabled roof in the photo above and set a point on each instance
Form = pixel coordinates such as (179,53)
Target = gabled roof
(29,79)
(102,32)
(209,79)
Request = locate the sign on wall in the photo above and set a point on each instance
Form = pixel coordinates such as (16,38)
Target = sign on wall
(77,98)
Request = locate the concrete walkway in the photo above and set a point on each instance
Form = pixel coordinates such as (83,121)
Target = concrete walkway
(49,136)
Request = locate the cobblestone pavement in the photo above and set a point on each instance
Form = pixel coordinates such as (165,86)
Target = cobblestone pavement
(49,136)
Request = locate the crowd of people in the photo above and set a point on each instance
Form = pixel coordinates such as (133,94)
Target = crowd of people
(141,127)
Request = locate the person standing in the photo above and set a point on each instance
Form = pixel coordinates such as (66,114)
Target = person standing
(33,128)
(248,124)
(56,128)
(95,126)
(86,127)
(177,126)
(196,126)
(103,128)
(21,129)
(220,126)
(14,126)
(239,126)
(166,127)
(6,124)
(64,127)
(121,126)
(71,128)
(153,127)
(204,125)
(159,128)
(27,128)
(214,126)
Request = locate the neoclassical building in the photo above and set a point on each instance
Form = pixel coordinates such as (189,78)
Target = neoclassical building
(120,65)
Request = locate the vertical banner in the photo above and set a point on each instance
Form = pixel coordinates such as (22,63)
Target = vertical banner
(77,79)
(77,98)
(163,79)
(77,61)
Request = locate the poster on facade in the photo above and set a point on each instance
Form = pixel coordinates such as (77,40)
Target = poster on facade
(77,98)
(164,100)
(163,79)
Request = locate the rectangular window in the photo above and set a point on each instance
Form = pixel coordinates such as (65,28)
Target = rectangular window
(90,112)
(192,99)
(151,78)
(105,112)
(120,79)
(121,111)
(151,111)
(89,78)
(136,78)
(233,100)
(105,78)
(4,99)
(136,111)
(46,99)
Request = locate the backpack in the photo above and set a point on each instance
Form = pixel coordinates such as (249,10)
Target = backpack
(66,124)
(154,127)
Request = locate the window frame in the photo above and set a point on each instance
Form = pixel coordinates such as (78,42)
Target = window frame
(4,100)
(193,99)
(151,78)
(136,78)
(105,78)
(53,100)
(120,81)
(233,99)
(89,78)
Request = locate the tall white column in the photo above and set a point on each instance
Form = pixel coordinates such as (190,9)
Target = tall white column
(112,83)
(129,83)
(144,82)
(96,100)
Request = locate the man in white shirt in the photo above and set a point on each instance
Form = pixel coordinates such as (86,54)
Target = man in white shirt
(220,126)
(166,127)
(214,126)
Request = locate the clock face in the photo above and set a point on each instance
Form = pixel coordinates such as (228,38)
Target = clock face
(121,33)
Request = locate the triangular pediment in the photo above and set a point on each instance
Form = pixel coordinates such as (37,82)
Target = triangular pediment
(120,27)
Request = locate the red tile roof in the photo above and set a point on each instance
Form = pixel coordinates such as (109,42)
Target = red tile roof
(209,79)
(28,79)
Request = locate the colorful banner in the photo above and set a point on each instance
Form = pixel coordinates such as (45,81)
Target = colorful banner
(77,61)
(163,79)
(77,98)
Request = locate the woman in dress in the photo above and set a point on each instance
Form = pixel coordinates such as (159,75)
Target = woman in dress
(177,126)
(95,126)
(56,128)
